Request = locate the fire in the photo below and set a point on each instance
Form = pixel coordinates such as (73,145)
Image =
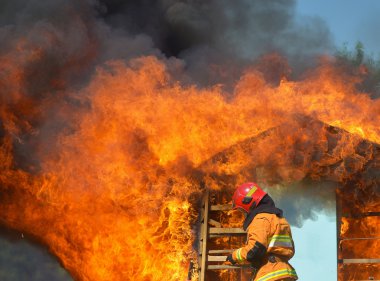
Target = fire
(360,227)
(114,193)
(361,238)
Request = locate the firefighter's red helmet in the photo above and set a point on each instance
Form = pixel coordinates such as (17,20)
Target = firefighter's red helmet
(247,194)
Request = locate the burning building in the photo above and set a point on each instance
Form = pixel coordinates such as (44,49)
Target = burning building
(348,167)
(115,117)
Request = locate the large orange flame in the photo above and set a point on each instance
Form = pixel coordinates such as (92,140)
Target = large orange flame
(114,196)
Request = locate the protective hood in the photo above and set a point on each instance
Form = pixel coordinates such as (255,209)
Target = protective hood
(266,205)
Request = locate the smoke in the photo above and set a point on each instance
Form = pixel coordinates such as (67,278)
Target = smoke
(22,260)
(53,48)
(225,35)
(295,199)
(215,40)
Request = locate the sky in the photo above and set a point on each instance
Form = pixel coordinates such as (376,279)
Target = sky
(315,244)
(349,21)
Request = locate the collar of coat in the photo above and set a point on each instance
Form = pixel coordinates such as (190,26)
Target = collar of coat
(266,205)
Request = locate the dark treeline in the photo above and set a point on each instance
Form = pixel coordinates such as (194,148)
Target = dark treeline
(358,62)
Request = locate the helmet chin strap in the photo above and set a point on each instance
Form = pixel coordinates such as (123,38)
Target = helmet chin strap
(245,213)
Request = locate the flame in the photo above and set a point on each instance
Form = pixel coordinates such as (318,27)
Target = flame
(360,238)
(360,227)
(114,192)
(359,272)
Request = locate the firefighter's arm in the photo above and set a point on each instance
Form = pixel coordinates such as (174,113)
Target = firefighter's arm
(255,250)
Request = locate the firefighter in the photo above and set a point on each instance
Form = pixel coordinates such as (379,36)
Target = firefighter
(269,244)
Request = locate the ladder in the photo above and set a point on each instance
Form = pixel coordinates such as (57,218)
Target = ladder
(213,259)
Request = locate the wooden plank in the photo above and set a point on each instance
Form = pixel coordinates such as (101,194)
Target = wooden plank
(204,237)
(200,244)
(224,207)
(345,261)
(362,215)
(225,266)
(360,238)
(216,258)
(227,251)
(224,235)
(338,206)
(226,230)
(214,223)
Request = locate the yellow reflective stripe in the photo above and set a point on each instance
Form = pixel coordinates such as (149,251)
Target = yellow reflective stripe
(282,239)
(249,194)
(238,255)
(281,236)
(278,273)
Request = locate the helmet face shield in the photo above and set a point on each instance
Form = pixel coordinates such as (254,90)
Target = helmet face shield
(236,205)
(238,208)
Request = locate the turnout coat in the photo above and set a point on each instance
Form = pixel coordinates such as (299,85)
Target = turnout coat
(273,232)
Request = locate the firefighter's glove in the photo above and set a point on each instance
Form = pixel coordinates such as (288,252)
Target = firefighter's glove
(230,259)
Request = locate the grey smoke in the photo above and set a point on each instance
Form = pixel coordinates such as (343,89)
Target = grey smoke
(229,34)
(22,260)
(304,200)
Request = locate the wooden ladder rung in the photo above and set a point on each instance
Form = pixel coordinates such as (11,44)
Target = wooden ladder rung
(224,207)
(216,258)
(226,251)
(226,230)
(214,223)
(225,266)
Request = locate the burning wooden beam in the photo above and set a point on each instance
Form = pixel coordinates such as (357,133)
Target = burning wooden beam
(335,155)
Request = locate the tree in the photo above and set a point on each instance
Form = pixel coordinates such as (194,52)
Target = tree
(358,62)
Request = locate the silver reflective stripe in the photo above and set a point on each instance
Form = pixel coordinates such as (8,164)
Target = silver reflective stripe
(281,241)
(280,244)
